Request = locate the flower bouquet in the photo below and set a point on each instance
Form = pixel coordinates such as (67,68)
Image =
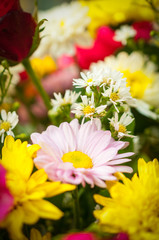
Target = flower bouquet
(79,121)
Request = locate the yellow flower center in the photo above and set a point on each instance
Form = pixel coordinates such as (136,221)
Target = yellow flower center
(89,80)
(114,96)
(5,126)
(78,159)
(62,23)
(122,128)
(88,110)
(138,83)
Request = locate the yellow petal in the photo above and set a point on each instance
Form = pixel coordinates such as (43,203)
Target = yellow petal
(30,214)
(45,209)
(14,223)
(104,201)
(60,188)
(33,149)
(35,234)
(37,178)
(16,158)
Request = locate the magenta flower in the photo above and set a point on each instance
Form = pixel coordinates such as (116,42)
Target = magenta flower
(104,45)
(80,236)
(80,154)
(6,199)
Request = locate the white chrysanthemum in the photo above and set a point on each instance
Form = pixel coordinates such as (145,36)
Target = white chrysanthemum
(66,26)
(88,80)
(120,125)
(70,97)
(123,33)
(87,108)
(7,123)
(141,75)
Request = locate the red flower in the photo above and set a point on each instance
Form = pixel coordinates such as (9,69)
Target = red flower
(6,200)
(143,30)
(8,5)
(104,45)
(17,29)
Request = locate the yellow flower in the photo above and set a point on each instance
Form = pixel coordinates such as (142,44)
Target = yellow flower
(134,204)
(35,235)
(106,12)
(27,189)
(44,66)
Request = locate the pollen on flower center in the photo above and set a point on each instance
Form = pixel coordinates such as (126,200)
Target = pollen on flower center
(88,110)
(114,96)
(5,126)
(89,80)
(78,159)
(62,23)
(122,128)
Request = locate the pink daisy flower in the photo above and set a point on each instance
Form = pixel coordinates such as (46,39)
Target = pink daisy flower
(74,153)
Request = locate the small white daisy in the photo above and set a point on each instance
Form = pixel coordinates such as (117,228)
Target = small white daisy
(119,93)
(123,33)
(87,108)
(88,80)
(120,125)
(70,97)
(8,122)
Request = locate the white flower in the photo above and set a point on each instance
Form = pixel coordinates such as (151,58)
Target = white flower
(120,125)
(8,122)
(106,74)
(142,76)
(87,108)
(70,97)
(119,93)
(123,33)
(66,26)
(88,80)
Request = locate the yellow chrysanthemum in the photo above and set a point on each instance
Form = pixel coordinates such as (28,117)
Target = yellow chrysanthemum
(105,12)
(134,204)
(27,189)
(44,66)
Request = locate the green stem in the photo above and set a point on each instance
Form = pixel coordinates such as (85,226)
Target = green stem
(37,83)
(76,209)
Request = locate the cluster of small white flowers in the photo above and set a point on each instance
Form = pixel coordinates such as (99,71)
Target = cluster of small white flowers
(124,33)
(8,121)
(87,108)
(107,87)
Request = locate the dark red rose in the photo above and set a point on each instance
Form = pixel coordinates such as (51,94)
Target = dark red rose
(104,45)
(8,5)
(143,30)
(17,30)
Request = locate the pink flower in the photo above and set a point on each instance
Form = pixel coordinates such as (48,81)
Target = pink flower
(80,236)
(6,199)
(120,236)
(143,30)
(75,153)
(104,45)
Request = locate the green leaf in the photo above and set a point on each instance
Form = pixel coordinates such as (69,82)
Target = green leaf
(36,38)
